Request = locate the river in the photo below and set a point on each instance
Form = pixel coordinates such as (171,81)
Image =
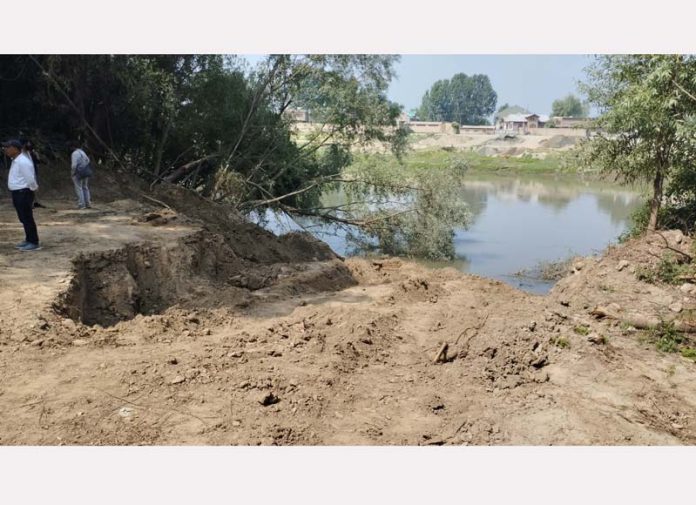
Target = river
(518,222)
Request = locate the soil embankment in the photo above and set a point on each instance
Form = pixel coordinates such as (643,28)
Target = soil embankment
(140,324)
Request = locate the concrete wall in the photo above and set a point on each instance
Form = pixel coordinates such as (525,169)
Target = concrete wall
(430,127)
(483,130)
(550,132)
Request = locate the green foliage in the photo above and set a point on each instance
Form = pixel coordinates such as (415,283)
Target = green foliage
(407,210)
(561,342)
(647,123)
(582,330)
(434,158)
(667,271)
(689,352)
(464,99)
(666,337)
(206,121)
(569,106)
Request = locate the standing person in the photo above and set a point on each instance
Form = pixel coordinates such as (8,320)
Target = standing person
(28,150)
(22,184)
(78,161)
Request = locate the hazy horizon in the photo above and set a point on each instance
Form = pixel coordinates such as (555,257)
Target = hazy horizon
(530,81)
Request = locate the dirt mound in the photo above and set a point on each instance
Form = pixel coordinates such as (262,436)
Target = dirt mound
(113,286)
(179,323)
(559,142)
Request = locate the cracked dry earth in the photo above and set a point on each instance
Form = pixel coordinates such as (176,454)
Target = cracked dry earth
(151,328)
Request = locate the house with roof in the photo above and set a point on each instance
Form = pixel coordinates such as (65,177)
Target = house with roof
(522,122)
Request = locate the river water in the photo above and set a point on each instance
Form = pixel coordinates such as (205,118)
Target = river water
(517,223)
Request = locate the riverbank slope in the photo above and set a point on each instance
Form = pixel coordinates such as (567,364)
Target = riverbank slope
(176,323)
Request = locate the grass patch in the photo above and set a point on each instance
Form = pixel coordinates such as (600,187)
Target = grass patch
(668,339)
(582,330)
(689,352)
(547,270)
(668,271)
(561,342)
(434,158)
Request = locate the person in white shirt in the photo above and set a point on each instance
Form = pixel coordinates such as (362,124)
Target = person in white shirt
(22,184)
(28,151)
(80,158)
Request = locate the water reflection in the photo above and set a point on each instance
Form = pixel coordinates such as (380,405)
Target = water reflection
(517,222)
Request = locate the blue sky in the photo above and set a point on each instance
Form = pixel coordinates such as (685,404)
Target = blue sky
(531,81)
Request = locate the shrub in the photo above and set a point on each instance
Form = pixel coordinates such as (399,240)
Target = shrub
(666,337)
(582,330)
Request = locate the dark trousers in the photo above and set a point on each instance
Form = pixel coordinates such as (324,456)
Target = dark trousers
(23,201)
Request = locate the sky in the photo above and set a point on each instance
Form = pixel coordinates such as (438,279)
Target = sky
(531,81)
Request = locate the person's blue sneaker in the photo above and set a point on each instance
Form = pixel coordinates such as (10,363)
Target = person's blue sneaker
(21,244)
(30,247)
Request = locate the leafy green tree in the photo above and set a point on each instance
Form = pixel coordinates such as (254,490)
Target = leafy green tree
(647,122)
(569,106)
(464,99)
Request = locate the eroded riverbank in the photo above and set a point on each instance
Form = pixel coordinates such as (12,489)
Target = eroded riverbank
(289,345)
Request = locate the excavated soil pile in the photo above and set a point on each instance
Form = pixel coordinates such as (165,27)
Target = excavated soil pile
(179,323)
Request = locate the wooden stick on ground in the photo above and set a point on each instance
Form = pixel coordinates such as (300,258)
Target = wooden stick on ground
(441,355)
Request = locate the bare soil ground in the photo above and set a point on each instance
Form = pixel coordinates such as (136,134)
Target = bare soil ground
(137,324)
(490,145)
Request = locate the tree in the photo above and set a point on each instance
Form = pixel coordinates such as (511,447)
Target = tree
(570,106)
(463,99)
(647,120)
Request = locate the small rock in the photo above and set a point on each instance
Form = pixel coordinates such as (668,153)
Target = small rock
(532,325)
(125,412)
(244,385)
(267,399)
(274,353)
(578,265)
(38,342)
(565,303)
(69,324)
(79,342)
(173,361)
(207,331)
(489,352)
(677,426)
(192,373)
(687,288)
(676,307)
(366,341)
(235,354)
(41,324)
(236,423)
(595,338)
(178,379)
(193,319)
(622,264)
(540,362)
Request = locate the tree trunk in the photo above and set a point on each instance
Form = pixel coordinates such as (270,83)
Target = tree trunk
(160,148)
(186,169)
(656,199)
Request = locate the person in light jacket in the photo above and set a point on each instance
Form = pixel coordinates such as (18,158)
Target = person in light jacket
(79,158)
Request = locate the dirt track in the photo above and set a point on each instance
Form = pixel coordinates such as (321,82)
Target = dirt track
(155,328)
